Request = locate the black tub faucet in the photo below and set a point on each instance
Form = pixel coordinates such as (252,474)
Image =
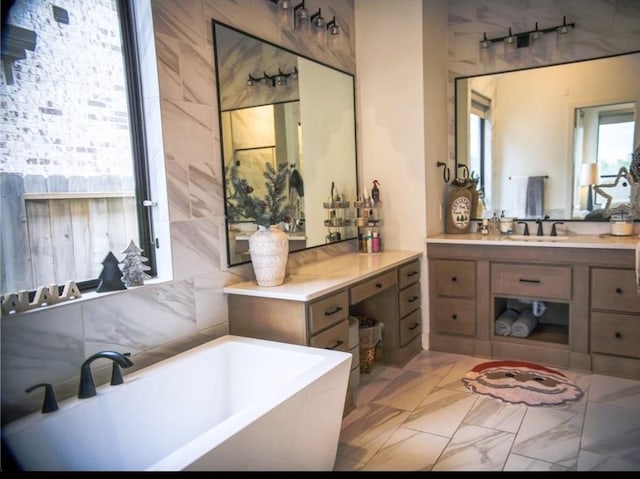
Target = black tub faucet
(87,388)
(50,403)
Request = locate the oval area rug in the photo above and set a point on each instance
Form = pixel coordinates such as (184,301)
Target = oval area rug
(521,382)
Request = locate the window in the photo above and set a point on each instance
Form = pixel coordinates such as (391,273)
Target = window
(72,155)
(480,143)
(604,135)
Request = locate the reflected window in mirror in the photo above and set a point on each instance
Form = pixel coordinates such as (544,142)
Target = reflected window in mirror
(604,138)
(480,148)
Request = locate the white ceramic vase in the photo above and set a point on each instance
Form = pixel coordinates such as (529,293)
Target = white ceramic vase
(269,250)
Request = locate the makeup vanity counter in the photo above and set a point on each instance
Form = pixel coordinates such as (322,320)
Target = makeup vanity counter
(587,282)
(313,305)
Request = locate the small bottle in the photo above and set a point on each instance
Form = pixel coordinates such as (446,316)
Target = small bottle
(369,242)
(375,192)
(494,224)
(375,242)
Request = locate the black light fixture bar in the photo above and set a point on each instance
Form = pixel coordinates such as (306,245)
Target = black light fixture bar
(561,29)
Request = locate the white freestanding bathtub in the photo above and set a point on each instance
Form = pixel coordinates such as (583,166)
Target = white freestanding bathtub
(233,403)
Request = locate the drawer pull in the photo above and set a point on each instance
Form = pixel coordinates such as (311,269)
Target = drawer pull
(619,290)
(454,279)
(618,335)
(378,285)
(335,310)
(454,316)
(338,344)
(411,273)
(414,326)
(413,298)
(533,281)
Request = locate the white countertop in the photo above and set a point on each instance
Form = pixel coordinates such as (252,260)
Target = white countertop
(313,280)
(601,241)
(292,237)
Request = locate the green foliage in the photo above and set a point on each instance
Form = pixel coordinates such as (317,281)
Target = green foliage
(270,210)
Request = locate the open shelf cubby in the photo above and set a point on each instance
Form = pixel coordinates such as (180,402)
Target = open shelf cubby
(552,326)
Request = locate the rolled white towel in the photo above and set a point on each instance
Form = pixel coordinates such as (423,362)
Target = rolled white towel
(526,322)
(504,322)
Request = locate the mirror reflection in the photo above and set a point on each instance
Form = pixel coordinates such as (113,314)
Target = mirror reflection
(539,140)
(281,109)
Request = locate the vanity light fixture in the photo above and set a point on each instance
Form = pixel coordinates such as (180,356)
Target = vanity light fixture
(514,41)
(305,23)
(279,80)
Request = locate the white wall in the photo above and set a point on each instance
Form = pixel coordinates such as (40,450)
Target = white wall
(389,99)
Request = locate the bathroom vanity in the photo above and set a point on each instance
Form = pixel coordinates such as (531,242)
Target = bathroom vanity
(313,305)
(588,284)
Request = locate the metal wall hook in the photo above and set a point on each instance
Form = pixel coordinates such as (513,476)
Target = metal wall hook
(446,172)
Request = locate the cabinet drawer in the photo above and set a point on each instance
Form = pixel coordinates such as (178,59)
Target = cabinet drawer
(373,286)
(455,278)
(336,337)
(327,311)
(409,299)
(617,334)
(615,290)
(454,316)
(410,327)
(530,280)
(409,273)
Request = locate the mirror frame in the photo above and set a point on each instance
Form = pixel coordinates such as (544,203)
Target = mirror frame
(350,76)
(458,164)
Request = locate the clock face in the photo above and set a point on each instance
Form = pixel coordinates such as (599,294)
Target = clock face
(461,212)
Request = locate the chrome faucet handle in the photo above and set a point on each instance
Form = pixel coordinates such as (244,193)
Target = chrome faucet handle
(116,374)
(553,228)
(526,227)
(50,403)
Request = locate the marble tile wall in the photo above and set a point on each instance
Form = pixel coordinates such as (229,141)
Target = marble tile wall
(186,305)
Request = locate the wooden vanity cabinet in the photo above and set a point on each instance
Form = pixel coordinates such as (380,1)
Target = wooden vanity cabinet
(391,296)
(394,299)
(593,317)
(615,322)
(322,323)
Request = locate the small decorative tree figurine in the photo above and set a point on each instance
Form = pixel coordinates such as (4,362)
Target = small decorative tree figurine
(110,276)
(133,271)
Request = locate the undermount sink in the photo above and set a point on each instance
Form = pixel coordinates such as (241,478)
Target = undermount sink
(536,238)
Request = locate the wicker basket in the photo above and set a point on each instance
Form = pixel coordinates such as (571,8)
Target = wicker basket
(367,355)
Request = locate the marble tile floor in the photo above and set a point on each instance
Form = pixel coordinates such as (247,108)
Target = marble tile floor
(422,418)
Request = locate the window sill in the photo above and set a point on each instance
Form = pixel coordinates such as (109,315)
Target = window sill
(88,296)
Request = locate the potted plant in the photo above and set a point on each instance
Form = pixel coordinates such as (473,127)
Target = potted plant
(269,245)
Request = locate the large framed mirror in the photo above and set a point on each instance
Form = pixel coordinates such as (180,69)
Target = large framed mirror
(279,108)
(536,141)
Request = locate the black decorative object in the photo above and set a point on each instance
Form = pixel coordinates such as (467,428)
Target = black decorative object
(111,276)
(133,271)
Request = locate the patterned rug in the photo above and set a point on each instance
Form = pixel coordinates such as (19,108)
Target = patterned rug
(520,382)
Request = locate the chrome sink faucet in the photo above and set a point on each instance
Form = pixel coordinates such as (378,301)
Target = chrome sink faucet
(87,387)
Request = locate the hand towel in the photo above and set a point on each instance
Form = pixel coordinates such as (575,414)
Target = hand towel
(504,322)
(535,196)
(526,322)
(638,267)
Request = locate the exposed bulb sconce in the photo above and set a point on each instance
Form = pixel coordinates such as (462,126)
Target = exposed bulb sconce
(305,23)
(514,41)
(279,80)
(301,20)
